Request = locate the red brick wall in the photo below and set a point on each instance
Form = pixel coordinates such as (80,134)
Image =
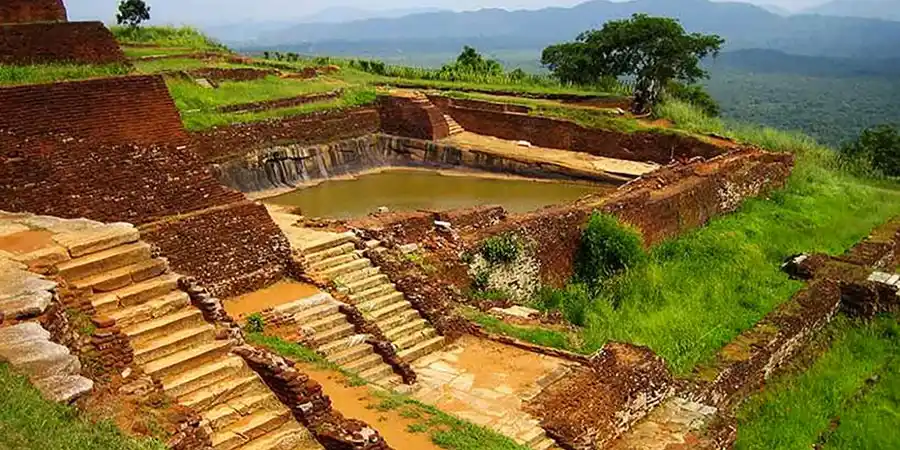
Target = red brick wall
(222,142)
(109,110)
(402,116)
(230,250)
(24,11)
(73,42)
(544,132)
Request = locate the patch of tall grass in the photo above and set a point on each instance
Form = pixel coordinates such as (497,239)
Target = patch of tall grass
(167,36)
(50,73)
(794,411)
(27,421)
(188,95)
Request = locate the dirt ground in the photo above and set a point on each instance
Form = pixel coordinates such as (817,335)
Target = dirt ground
(285,291)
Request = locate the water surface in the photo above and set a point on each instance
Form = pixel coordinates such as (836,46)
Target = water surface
(408,190)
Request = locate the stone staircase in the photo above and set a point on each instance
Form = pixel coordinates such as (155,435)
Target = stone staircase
(455,128)
(332,336)
(175,345)
(334,258)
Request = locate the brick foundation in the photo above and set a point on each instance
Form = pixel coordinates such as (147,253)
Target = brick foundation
(27,11)
(69,42)
(407,117)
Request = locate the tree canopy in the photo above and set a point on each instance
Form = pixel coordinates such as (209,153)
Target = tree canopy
(878,147)
(653,50)
(132,12)
(470,62)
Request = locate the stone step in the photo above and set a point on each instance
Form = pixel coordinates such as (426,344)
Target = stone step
(373,292)
(530,437)
(346,268)
(172,343)
(543,444)
(312,258)
(137,293)
(326,243)
(334,261)
(231,411)
(397,307)
(380,302)
(404,329)
(327,323)
(153,309)
(364,284)
(379,372)
(188,359)
(181,384)
(249,428)
(411,339)
(424,348)
(332,334)
(290,436)
(104,261)
(359,274)
(105,238)
(394,321)
(350,354)
(318,312)
(387,380)
(210,396)
(182,319)
(119,278)
(336,346)
(363,364)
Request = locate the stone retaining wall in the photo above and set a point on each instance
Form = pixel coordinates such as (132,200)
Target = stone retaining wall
(413,118)
(26,11)
(659,147)
(63,42)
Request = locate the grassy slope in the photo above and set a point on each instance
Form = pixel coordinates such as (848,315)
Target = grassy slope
(27,421)
(795,411)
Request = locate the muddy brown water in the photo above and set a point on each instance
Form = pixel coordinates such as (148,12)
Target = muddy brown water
(410,190)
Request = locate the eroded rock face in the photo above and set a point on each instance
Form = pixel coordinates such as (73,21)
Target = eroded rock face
(27,348)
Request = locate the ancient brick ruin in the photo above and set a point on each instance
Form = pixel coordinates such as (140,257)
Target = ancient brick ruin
(28,11)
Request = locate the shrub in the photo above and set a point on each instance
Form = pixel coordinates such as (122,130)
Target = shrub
(607,248)
(877,147)
(695,95)
(255,323)
(573,302)
(501,249)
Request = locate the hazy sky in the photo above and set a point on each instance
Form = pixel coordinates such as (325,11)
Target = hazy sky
(226,11)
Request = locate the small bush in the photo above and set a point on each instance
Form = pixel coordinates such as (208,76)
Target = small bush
(501,249)
(255,323)
(607,248)
(695,95)
(877,148)
(573,302)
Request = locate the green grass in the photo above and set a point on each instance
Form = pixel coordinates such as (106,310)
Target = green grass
(871,424)
(535,335)
(699,291)
(27,421)
(167,36)
(49,73)
(201,120)
(189,95)
(138,52)
(445,430)
(794,411)
(299,353)
(168,65)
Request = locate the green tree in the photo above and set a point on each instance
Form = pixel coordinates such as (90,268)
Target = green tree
(695,95)
(132,12)
(472,62)
(879,147)
(653,50)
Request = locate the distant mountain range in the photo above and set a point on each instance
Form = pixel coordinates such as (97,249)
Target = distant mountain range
(744,26)
(873,9)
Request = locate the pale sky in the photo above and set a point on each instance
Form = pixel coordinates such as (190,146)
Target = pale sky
(230,11)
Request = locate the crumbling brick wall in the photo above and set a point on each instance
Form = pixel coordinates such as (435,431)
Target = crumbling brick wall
(133,109)
(235,140)
(593,405)
(408,117)
(27,11)
(70,42)
(659,147)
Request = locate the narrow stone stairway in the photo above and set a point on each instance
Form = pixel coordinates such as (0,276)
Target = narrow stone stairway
(455,128)
(333,336)
(334,258)
(175,345)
